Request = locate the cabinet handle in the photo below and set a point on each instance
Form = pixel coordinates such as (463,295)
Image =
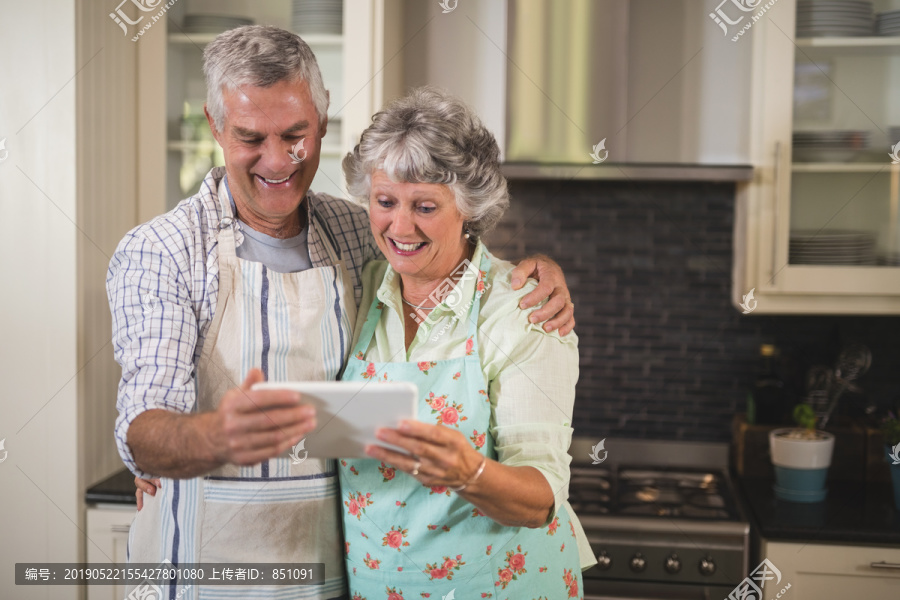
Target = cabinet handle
(885,565)
(120,528)
(777,199)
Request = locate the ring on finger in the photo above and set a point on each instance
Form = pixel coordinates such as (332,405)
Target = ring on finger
(415,469)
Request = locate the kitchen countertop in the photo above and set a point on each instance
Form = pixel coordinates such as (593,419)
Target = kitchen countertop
(115,489)
(851,513)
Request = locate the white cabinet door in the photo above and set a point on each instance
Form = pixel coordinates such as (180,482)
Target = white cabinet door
(817,229)
(107,531)
(817,571)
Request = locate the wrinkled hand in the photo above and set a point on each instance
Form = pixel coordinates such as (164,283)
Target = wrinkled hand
(249,427)
(559,308)
(444,456)
(148,486)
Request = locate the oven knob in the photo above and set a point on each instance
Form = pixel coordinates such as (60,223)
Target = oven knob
(638,563)
(673,564)
(604,561)
(707,566)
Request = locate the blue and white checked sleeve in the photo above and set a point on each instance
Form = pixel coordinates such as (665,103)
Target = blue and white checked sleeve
(155,330)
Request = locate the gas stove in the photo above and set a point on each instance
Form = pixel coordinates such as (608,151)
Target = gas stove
(662,520)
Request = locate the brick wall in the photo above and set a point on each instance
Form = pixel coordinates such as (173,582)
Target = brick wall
(664,355)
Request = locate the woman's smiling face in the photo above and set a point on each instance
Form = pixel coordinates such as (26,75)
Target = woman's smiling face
(417,226)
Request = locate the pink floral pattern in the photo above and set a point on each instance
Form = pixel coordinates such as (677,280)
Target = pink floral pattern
(515,566)
(469,344)
(451,415)
(387,473)
(393,594)
(571,582)
(477,439)
(457,375)
(372,563)
(357,503)
(357,596)
(553,526)
(424,366)
(445,569)
(439,489)
(437,403)
(394,538)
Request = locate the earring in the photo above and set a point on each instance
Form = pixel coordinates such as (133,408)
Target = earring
(467,234)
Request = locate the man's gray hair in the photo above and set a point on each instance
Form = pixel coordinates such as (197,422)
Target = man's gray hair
(430,136)
(260,56)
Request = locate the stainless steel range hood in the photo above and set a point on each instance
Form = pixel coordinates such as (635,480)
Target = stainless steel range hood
(646,87)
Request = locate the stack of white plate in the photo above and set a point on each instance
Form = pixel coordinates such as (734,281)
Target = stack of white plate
(318,16)
(829,146)
(213,23)
(832,247)
(888,23)
(834,18)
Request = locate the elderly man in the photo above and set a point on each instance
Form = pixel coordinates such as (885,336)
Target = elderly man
(253,271)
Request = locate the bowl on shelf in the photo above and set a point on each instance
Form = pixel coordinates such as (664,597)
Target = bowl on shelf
(829,145)
(834,18)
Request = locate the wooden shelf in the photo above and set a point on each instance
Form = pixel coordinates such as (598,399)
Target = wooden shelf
(862,167)
(848,46)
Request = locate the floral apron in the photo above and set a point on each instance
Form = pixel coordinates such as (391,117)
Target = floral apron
(405,541)
(294,326)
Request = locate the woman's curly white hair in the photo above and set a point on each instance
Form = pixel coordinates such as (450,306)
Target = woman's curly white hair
(429,136)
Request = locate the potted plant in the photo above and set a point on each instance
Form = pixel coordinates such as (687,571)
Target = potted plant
(801,457)
(891,431)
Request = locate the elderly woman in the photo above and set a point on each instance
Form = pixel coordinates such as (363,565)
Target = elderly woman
(478,504)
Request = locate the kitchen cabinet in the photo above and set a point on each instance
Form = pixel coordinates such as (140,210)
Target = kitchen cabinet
(358,67)
(107,532)
(816,571)
(816,229)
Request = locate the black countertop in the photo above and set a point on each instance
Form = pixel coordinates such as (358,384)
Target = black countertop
(851,513)
(115,489)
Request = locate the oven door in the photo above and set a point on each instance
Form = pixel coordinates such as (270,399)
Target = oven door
(610,589)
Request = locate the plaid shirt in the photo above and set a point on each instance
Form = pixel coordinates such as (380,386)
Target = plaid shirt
(163,281)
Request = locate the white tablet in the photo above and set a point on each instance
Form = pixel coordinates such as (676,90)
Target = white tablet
(349,412)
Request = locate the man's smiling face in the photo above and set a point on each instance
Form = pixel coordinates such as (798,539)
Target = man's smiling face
(261,127)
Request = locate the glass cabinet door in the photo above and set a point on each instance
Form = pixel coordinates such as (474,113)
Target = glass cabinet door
(845,176)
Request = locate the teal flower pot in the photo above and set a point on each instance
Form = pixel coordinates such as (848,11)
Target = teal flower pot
(801,462)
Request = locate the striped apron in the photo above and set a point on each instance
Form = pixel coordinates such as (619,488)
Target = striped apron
(295,327)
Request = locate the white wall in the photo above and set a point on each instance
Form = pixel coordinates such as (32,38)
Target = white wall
(40,511)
